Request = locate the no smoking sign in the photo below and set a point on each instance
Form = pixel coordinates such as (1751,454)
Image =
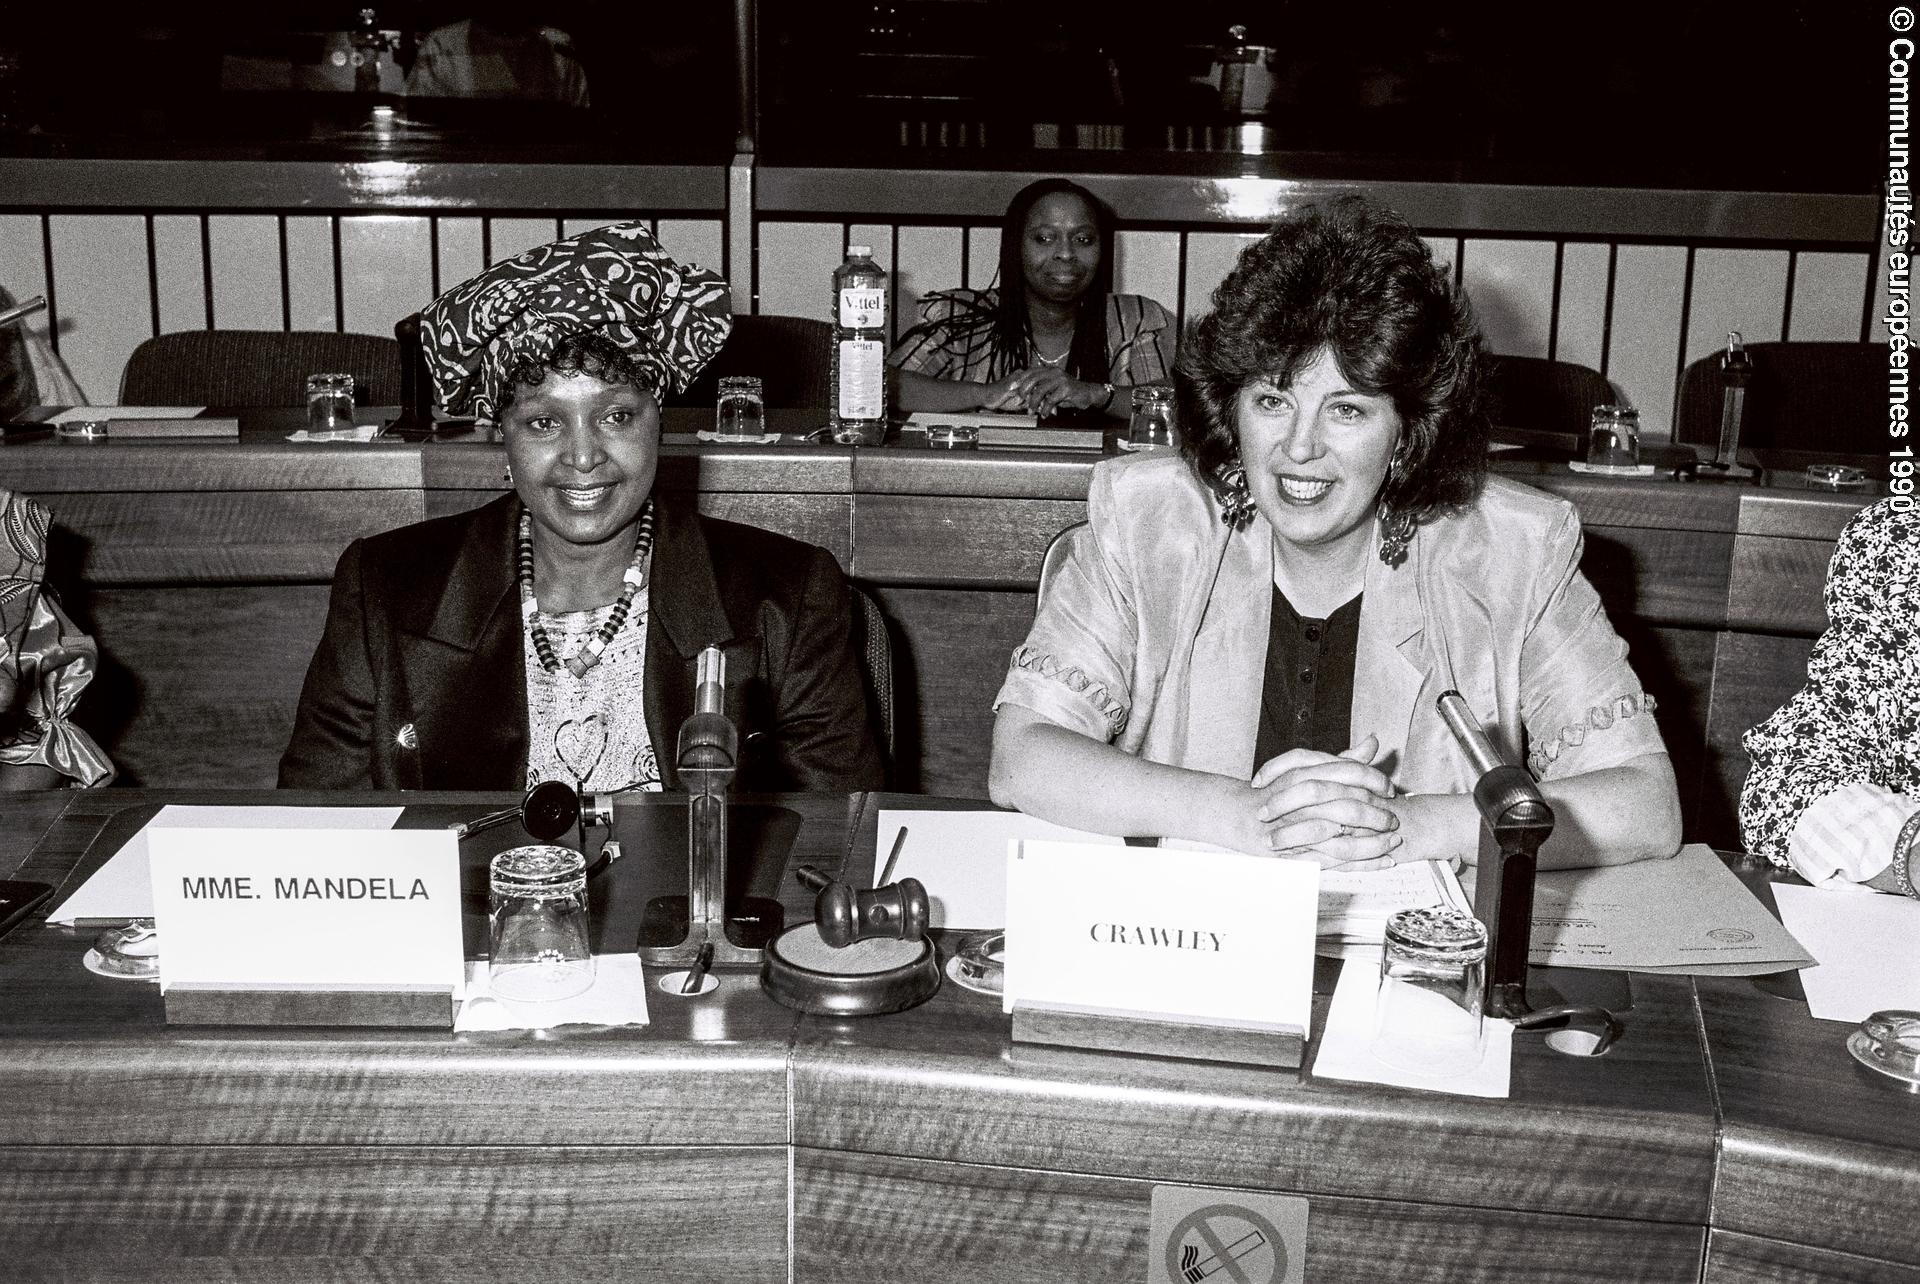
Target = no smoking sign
(1202,1236)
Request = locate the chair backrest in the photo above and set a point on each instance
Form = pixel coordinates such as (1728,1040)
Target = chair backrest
(257,367)
(1801,396)
(1549,396)
(1057,549)
(876,664)
(792,356)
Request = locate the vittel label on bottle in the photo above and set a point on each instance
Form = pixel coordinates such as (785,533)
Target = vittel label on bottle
(863,383)
(862,308)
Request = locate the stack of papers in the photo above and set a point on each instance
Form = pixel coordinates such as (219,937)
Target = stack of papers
(1355,907)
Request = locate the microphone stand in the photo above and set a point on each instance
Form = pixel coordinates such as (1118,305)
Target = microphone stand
(707,754)
(1517,820)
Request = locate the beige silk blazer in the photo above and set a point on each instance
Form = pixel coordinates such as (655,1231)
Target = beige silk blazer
(1153,636)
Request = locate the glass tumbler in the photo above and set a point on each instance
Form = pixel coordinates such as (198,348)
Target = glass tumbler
(740,413)
(539,948)
(1428,1016)
(1151,427)
(329,402)
(1613,437)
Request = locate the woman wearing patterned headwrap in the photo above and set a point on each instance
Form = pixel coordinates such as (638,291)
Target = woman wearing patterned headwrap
(45,662)
(552,633)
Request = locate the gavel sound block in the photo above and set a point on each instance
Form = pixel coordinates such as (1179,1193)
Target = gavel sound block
(867,953)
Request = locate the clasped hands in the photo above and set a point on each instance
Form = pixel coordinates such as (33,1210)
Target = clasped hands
(1042,390)
(1330,808)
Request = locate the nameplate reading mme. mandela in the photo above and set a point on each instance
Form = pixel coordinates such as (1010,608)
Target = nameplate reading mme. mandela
(312,908)
(1213,938)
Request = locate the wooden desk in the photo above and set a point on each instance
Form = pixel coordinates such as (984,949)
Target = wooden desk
(202,570)
(1724,1133)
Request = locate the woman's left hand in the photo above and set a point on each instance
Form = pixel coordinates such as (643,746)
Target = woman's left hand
(1046,391)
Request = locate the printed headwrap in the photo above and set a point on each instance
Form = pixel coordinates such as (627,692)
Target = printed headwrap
(670,318)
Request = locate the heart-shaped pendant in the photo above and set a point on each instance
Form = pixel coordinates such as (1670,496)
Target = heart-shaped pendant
(579,741)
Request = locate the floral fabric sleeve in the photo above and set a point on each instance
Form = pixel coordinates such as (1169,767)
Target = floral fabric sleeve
(1858,717)
(45,662)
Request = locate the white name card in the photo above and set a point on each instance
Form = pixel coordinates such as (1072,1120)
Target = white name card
(308,907)
(1210,937)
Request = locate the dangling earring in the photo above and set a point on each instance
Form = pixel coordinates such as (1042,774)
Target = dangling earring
(1236,501)
(507,476)
(1396,529)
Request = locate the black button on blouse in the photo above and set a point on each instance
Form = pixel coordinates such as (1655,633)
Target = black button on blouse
(1307,699)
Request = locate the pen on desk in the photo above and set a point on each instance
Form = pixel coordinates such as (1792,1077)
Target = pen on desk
(697,974)
(893,858)
(20,311)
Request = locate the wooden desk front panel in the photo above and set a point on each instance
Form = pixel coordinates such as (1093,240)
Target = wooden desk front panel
(1734,1258)
(867,1217)
(1627,1136)
(388,1212)
(1816,1150)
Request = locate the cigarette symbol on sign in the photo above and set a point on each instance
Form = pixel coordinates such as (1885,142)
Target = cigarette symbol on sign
(1195,1271)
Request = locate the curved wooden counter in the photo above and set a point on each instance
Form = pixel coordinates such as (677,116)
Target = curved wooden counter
(201,569)
(1726,1134)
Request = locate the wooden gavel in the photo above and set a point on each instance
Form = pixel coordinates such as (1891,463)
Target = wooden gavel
(845,914)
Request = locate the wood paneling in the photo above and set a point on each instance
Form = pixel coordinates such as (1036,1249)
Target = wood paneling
(1733,1258)
(1754,674)
(859,1217)
(1659,576)
(949,657)
(1815,1149)
(1775,584)
(976,543)
(593,1212)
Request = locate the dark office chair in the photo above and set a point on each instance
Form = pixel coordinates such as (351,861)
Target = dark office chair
(1802,396)
(791,355)
(1547,396)
(257,367)
(876,666)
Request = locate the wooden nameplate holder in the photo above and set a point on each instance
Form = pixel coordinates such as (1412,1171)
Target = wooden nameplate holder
(423,1007)
(1157,1034)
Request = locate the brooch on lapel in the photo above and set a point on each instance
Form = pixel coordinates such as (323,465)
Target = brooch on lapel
(407,737)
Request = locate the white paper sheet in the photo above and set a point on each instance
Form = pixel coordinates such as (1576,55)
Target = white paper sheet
(1684,914)
(618,996)
(1865,944)
(122,888)
(961,858)
(126,412)
(1344,1051)
(1355,905)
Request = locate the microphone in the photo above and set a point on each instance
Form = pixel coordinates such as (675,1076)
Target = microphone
(1518,819)
(709,746)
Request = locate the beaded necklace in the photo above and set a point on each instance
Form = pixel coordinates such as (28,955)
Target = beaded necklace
(634,577)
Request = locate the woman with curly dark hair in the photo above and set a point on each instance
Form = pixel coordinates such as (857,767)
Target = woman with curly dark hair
(1244,645)
(1051,337)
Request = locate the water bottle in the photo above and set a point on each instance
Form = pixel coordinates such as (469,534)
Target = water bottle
(859,410)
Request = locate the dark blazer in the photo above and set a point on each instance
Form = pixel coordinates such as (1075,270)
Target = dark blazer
(419,680)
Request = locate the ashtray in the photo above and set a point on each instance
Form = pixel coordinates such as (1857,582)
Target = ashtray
(130,953)
(1836,476)
(980,964)
(1889,1042)
(952,437)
